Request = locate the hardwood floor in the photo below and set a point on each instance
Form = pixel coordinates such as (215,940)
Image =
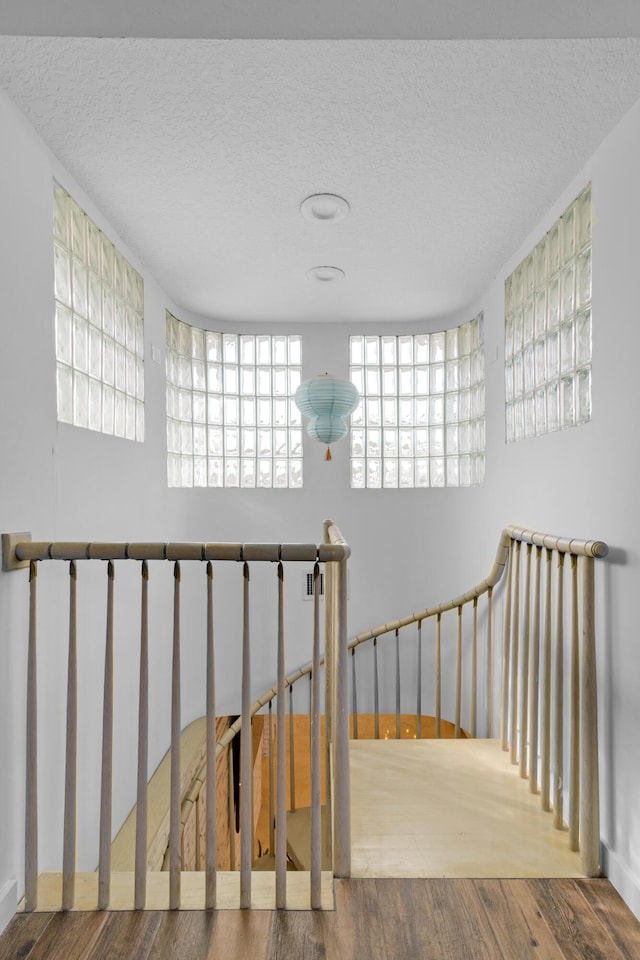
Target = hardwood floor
(401,919)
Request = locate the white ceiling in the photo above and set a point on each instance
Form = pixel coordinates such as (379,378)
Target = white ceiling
(199,152)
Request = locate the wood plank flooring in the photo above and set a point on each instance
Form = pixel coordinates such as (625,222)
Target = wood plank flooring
(449,808)
(385,919)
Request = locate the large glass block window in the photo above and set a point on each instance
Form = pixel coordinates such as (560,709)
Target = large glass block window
(548,329)
(99,306)
(420,422)
(231,417)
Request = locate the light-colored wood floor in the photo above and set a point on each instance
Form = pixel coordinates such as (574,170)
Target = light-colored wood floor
(449,808)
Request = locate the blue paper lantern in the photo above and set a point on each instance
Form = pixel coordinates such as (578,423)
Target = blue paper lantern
(327,401)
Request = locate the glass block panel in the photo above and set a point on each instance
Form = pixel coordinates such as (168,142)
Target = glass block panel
(214,348)
(436,472)
(566,347)
(295,474)
(584,218)
(421,349)
(232,473)
(230,350)
(528,368)
(389,351)
(528,322)
(372,350)
(583,396)
(372,378)
(356,350)
(583,279)
(583,338)
(65,393)
(390,473)
(437,347)
(405,350)
(374,473)
(358,473)
(406,381)
(230,379)
(453,472)
(567,404)
(389,381)
(529,415)
(553,407)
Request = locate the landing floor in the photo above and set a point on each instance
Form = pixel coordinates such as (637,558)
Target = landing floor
(373,920)
(449,808)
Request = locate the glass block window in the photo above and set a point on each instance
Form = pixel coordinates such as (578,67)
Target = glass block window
(548,329)
(420,422)
(231,417)
(99,306)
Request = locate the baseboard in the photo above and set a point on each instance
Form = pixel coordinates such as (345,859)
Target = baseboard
(627,885)
(8,903)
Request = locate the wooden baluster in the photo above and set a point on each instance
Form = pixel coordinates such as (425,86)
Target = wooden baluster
(589,819)
(574,767)
(398,730)
(31,798)
(524,668)
(473,707)
(376,705)
(316,837)
(292,759)
(545,746)
(506,655)
(246,759)
(534,680)
(231,813)
(558,727)
(211,841)
(342,788)
(104,857)
(140,884)
(354,694)
(458,674)
(419,685)
(490,662)
(439,676)
(281,771)
(515,654)
(175,865)
(70,798)
(272,825)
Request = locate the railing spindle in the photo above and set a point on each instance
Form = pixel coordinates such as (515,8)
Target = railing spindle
(211,841)
(515,653)
(272,825)
(292,760)
(574,773)
(419,685)
(104,862)
(376,705)
(140,883)
(458,674)
(474,670)
(439,676)
(558,731)
(534,679)
(31,798)
(354,694)
(398,730)
(174,812)
(506,655)
(545,746)
(246,779)
(490,662)
(281,772)
(316,838)
(589,818)
(342,787)
(70,796)
(231,809)
(524,670)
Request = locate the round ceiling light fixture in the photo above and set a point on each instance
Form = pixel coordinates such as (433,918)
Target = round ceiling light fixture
(324,208)
(325,274)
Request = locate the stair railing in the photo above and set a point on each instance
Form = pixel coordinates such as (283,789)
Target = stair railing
(333,554)
(533,713)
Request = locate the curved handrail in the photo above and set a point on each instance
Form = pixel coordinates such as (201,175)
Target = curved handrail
(583,548)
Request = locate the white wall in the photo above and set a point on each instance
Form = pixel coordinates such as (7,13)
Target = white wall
(66,483)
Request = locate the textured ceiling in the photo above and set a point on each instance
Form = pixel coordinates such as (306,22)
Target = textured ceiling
(199,152)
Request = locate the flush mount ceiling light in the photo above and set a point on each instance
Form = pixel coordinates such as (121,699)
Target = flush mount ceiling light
(325,274)
(324,208)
